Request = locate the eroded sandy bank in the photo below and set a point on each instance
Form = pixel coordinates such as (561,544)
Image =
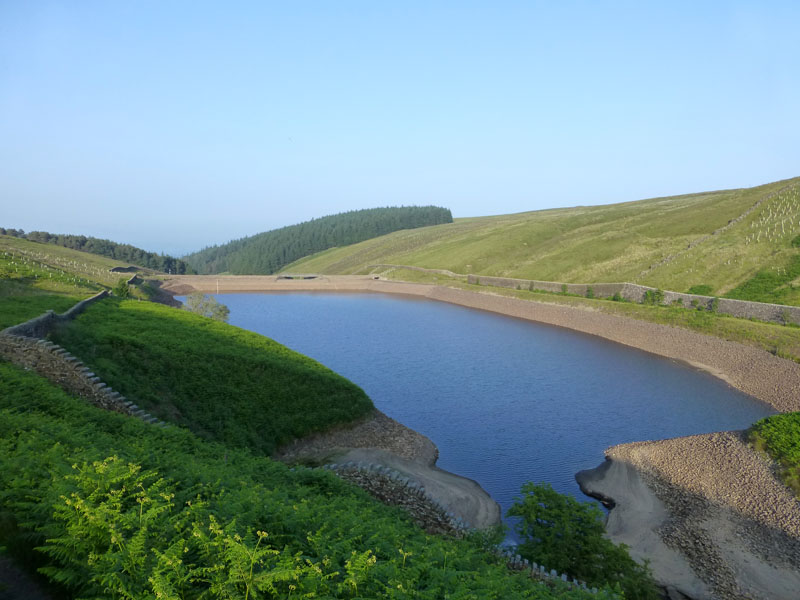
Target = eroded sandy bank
(773,380)
(707,511)
(381,440)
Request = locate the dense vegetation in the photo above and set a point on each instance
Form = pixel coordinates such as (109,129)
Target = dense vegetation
(108,506)
(224,383)
(775,285)
(121,252)
(779,436)
(718,240)
(269,252)
(569,536)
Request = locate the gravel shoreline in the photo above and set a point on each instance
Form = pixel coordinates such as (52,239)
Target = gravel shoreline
(377,431)
(734,522)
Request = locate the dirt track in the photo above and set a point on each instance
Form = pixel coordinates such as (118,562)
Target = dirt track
(769,378)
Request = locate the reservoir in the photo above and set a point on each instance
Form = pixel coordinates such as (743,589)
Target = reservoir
(505,400)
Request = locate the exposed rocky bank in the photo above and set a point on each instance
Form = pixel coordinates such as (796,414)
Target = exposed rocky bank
(707,511)
(381,441)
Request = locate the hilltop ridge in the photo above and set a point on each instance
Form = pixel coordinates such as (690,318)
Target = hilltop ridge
(742,243)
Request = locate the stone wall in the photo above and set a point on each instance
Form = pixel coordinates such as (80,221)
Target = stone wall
(24,345)
(773,313)
(54,363)
(40,326)
(392,487)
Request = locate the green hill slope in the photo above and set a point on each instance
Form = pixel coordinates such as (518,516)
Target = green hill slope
(107,248)
(718,239)
(270,251)
(35,277)
(224,383)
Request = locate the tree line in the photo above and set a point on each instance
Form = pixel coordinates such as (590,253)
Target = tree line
(121,252)
(268,252)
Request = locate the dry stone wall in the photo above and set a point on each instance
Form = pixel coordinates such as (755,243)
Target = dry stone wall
(24,345)
(40,326)
(773,313)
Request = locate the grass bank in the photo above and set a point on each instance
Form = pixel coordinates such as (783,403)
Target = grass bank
(222,382)
(740,241)
(36,277)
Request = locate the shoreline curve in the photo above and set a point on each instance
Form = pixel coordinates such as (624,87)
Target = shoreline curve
(768,378)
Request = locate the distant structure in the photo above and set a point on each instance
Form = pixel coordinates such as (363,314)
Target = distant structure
(296,276)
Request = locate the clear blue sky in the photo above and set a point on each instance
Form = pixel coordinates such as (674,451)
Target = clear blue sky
(175,125)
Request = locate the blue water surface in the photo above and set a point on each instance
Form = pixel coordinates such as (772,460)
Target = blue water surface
(505,400)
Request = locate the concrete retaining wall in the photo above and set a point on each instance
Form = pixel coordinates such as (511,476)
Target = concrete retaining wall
(773,313)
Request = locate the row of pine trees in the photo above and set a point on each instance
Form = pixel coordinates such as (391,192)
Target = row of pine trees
(269,252)
(121,252)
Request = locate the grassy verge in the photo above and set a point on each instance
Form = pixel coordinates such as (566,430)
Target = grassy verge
(107,506)
(780,340)
(224,383)
(779,436)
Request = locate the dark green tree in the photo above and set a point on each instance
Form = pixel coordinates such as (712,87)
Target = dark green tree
(208,306)
(569,536)
(122,289)
(271,251)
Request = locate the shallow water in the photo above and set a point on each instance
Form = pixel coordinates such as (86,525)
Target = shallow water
(505,400)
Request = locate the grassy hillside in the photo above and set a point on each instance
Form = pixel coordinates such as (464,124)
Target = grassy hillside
(108,506)
(269,252)
(224,383)
(107,248)
(36,277)
(723,240)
